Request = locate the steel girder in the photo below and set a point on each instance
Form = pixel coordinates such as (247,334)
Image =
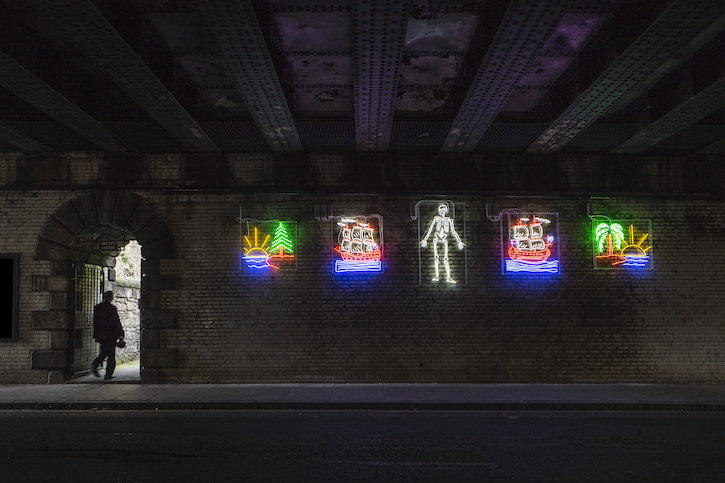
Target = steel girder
(379,29)
(660,48)
(84,27)
(523,32)
(715,149)
(697,107)
(24,84)
(21,140)
(236,33)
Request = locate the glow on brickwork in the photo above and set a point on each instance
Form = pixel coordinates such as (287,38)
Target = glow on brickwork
(617,247)
(358,247)
(530,244)
(264,251)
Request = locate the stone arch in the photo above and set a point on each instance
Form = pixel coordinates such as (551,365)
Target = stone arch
(104,212)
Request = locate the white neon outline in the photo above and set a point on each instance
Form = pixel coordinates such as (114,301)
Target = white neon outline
(443,225)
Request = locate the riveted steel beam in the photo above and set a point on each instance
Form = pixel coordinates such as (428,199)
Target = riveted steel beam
(24,84)
(701,105)
(675,33)
(233,26)
(88,31)
(379,29)
(523,32)
(21,140)
(715,149)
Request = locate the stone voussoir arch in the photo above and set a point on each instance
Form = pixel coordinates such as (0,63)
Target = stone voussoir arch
(93,211)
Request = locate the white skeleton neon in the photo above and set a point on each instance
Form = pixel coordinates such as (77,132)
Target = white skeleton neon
(443,225)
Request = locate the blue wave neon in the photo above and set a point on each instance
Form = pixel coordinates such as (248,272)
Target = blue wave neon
(342,266)
(517,266)
(636,262)
(256,262)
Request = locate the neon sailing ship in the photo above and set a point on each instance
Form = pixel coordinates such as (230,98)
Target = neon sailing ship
(359,252)
(528,243)
(530,249)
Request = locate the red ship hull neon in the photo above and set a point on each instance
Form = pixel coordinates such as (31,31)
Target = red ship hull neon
(528,243)
(529,255)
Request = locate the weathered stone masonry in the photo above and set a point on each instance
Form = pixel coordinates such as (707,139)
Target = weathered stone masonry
(205,319)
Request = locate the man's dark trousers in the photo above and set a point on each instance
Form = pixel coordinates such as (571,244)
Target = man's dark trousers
(108,349)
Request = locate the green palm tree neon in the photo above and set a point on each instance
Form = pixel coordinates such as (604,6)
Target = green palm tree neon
(611,234)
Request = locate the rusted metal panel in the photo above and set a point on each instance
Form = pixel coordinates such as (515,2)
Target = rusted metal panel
(87,30)
(239,40)
(27,86)
(379,30)
(21,140)
(677,31)
(706,102)
(525,29)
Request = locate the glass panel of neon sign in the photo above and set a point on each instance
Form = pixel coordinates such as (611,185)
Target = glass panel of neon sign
(358,243)
(269,245)
(530,243)
(441,242)
(622,244)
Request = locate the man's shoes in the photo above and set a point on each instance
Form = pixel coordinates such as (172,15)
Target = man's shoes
(95,371)
(109,377)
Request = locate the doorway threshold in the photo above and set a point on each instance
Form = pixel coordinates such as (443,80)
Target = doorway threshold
(128,373)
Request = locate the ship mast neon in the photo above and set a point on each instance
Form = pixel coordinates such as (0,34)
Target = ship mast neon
(531,245)
(357,245)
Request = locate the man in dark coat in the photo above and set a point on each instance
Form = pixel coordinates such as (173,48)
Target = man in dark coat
(106,330)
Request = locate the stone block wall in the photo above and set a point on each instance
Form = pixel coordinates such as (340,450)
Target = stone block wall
(43,304)
(126,300)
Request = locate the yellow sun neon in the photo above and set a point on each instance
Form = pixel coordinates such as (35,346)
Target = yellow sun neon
(631,245)
(256,254)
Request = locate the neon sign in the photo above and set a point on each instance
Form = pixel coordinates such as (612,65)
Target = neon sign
(359,244)
(269,244)
(442,239)
(530,245)
(622,244)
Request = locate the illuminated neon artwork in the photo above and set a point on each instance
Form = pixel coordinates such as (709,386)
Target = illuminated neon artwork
(255,254)
(440,227)
(282,248)
(264,251)
(357,247)
(530,246)
(615,249)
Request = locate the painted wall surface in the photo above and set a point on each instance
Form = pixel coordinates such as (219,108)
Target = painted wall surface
(310,324)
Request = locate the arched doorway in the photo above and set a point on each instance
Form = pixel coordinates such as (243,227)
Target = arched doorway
(87,286)
(87,232)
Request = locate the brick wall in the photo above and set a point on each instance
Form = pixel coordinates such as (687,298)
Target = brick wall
(22,216)
(232,325)
(312,325)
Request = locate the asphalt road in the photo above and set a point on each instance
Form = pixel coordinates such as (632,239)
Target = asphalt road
(352,446)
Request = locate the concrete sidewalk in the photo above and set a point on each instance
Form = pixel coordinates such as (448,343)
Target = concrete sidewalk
(97,394)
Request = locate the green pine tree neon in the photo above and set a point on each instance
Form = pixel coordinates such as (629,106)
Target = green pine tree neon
(281,241)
